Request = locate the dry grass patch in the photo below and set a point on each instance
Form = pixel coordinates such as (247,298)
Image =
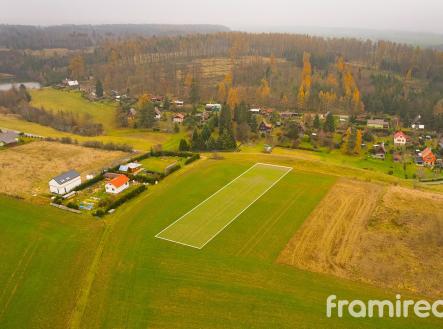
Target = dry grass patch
(391,237)
(26,170)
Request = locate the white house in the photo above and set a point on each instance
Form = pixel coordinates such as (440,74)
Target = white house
(179,103)
(400,138)
(255,111)
(213,107)
(117,184)
(178,118)
(71,83)
(158,114)
(65,182)
(9,138)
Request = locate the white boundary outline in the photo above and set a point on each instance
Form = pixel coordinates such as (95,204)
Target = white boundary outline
(236,216)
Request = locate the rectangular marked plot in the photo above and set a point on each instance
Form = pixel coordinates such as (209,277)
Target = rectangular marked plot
(202,223)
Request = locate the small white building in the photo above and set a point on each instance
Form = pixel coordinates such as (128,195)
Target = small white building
(65,182)
(132,167)
(255,111)
(178,103)
(71,83)
(117,184)
(178,118)
(158,114)
(400,138)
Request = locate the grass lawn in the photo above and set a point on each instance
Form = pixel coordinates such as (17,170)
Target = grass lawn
(206,220)
(135,280)
(159,164)
(234,281)
(139,139)
(44,254)
(72,101)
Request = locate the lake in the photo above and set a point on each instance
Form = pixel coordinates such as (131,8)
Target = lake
(28,85)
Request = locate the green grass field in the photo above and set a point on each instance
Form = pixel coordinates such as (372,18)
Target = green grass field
(206,220)
(85,276)
(44,252)
(102,112)
(159,164)
(72,101)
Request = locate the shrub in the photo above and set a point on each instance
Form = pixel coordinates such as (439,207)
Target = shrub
(117,203)
(89,182)
(192,158)
(169,170)
(99,213)
(72,205)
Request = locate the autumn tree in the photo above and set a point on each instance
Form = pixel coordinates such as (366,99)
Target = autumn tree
(264,91)
(221,92)
(306,81)
(358,141)
(233,100)
(77,67)
(345,141)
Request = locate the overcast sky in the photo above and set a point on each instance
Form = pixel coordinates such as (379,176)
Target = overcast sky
(409,15)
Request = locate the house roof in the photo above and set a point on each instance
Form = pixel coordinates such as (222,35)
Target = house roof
(119,181)
(376,122)
(9,137)
(179,115)
(399,134)
(66,177)
(267,125)
(427,151)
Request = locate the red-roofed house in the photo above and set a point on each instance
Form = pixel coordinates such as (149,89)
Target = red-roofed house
(117,184)
(400,138)
(428,157)
(178,118)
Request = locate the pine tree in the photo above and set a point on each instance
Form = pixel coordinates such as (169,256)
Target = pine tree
(205,134)
(99,89)
(196,142)
(317,123)
(183,146)
(194,94)
(329,123)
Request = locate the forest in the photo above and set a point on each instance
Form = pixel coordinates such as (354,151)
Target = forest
(283,71)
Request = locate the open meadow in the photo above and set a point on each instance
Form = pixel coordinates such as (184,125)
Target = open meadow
(72,101)
(134,280)
(25,170)
(45,253)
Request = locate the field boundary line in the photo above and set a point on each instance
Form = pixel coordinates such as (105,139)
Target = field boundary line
(208,198)
(241,212)
(273,165)
(236,216)
(178,242)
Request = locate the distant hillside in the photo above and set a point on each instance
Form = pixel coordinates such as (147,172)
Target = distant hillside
(82,36)
(422,39)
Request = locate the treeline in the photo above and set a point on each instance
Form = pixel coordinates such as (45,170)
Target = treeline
(386,55)
(83,36)
(17,102)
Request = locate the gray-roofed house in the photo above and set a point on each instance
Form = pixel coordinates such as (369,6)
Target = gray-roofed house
(9,138)
(65,182)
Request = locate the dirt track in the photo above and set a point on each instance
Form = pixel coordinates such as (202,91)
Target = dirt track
(389,236)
